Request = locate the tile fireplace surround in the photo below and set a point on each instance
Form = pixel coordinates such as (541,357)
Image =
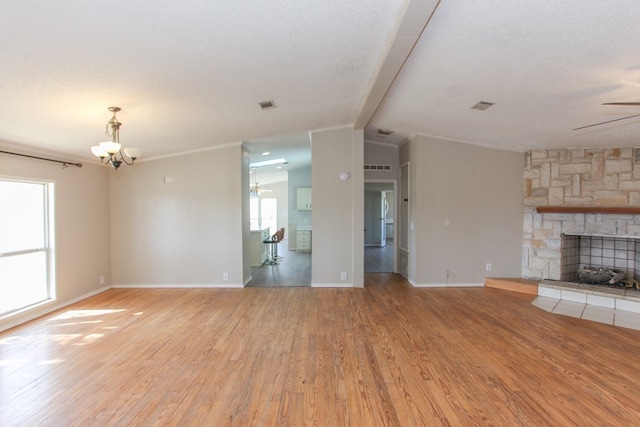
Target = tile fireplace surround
(621,254)
(543,241)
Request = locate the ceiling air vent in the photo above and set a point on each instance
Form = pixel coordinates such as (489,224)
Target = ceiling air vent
(267,105)
(386,168)
(384,132)
(482,105)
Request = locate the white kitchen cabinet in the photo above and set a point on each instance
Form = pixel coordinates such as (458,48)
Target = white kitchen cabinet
(303,240)
(303,201)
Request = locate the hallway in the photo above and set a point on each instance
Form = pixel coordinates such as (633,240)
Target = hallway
(379,260)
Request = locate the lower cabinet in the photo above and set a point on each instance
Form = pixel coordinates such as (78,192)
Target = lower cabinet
(303,240)
(259,250)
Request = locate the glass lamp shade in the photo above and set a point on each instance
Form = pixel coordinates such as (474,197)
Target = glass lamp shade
(110,147)
(132,153)
(98,151)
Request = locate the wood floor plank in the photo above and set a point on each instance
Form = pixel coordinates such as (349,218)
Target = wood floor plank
(385,355)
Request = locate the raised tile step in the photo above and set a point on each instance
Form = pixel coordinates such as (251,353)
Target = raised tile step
(515,284)
(617,298)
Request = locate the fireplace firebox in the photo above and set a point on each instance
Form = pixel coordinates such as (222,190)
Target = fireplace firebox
(619,254)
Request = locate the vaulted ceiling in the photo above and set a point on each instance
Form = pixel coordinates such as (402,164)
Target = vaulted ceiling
(189,75)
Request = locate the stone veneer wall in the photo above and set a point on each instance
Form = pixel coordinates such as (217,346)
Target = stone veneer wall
(575,177)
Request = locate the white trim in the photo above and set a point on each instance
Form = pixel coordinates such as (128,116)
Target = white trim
(348,126)
(463,141)
(186,153)
(17,318)
(180,286)
(448,285)
(385,144)
(332,285)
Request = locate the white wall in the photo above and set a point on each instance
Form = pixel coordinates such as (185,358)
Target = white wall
(338,212)
(81,226)
(381,154)
(185,233)
(479,190)
(406,214)
(246,214)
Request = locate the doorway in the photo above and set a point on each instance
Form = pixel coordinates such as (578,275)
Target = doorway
(283,170)
(379,226)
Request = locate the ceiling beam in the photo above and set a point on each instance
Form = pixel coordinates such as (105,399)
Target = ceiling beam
(407,32)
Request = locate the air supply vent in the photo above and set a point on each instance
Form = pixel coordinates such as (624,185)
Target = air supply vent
(386,168)
(267,105)
(384,132)
(482,105)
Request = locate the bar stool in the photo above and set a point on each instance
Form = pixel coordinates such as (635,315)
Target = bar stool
(279,235)
(272,250)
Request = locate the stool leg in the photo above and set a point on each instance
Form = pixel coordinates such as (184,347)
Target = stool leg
(269,259)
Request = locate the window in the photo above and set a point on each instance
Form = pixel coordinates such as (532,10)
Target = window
(25,244)
(269,213)
(264,213)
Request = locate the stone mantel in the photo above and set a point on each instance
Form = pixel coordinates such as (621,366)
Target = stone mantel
(633,210)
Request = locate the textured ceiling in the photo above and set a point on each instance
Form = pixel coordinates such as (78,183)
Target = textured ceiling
(547,65)
(189,75)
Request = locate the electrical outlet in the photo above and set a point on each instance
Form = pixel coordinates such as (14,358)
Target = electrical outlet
(101,280)
(225,276)
(489,267)
(343,275)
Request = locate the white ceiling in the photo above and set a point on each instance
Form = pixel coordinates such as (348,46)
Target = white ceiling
(547,65)
(189,75)
(295,148)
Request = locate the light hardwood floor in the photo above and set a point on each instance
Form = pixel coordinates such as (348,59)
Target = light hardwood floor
(388,354)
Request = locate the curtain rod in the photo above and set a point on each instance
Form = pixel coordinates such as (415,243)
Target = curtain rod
(64,164)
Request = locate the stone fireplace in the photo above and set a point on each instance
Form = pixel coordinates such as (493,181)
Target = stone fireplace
(576,194)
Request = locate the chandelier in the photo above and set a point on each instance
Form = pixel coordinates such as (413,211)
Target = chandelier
(111,152)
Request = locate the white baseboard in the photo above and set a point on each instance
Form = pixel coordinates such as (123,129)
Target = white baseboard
(42,309)
(180,286)
(447,285)
(332,285)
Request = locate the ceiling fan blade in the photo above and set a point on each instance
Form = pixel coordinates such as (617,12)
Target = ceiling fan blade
(621,103)
(608,121)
